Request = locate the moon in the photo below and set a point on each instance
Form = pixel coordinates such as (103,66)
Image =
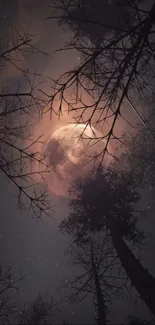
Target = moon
(68,152)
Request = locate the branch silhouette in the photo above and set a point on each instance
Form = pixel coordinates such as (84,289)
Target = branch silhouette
(114,73)
(18,109)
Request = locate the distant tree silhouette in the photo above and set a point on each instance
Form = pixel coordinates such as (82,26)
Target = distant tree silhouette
(96,259)
(107,201)
(137,321)
(9,284)
(116,74)
(18,106)
(38,312)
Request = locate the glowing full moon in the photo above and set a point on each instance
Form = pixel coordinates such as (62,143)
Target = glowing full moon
(68,152)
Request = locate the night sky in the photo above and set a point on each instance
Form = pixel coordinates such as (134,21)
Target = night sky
(37,248)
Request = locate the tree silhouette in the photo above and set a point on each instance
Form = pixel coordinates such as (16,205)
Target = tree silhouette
(9,284)
(38,312)
(135,320)
(18,108)
(95,20)
(138,157)
(106,201)
(118,74)
(96,259)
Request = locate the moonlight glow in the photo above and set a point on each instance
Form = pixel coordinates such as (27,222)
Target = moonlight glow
(68,152)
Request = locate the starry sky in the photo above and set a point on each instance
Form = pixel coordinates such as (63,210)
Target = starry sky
(38,248)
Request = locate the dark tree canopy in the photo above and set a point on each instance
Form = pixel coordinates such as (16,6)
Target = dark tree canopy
(105,194)
(138,156)
(94,20)
(107,201)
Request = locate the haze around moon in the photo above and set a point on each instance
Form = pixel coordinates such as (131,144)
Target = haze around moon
(68,152)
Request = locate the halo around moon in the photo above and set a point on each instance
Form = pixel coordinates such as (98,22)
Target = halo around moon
(68,152)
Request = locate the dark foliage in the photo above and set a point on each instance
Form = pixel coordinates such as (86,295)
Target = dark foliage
(107,201)
(105,194)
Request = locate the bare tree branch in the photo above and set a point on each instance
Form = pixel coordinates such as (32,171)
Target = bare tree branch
(112,74)
(98,263)
(39,312)
(18,109)
(9,284)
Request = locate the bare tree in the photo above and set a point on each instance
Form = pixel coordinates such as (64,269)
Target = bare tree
(9,285)
(116,74)
(108,200)
(95,257)
(38,312)
(18,108)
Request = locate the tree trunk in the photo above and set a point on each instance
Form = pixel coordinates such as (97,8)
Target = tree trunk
(99,295)
(140,278)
